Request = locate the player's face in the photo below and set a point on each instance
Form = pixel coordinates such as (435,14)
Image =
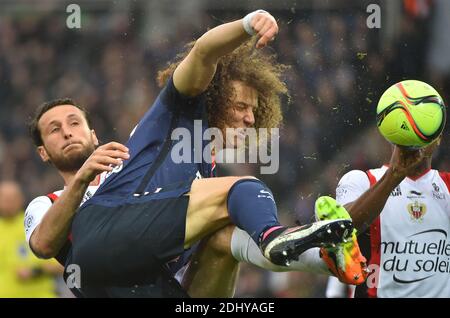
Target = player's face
(11,199)
(67,139)
(241,111)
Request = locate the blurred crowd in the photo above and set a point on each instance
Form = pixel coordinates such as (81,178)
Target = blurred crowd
(339,69)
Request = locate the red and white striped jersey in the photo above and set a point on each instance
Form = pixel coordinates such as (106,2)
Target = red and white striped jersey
(37,208)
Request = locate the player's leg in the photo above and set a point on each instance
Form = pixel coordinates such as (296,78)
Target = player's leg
(249,204)
(212,271)
(244,249)
(207,209)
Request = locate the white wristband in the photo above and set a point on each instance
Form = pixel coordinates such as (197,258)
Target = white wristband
(247,21)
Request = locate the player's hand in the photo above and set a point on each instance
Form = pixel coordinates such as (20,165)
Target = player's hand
(405,161)
(265,26)
(104,158)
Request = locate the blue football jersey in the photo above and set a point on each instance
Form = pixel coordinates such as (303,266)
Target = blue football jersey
(151,171)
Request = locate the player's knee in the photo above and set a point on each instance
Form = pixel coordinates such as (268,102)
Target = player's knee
(229,184)
(245,183)
(247,178)
(237,180)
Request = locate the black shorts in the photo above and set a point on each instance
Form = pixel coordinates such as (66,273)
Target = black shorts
(130,244)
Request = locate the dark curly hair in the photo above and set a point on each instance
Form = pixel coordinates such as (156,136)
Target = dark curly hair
(255,69)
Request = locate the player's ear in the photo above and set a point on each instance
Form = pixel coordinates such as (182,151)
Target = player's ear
(94,138)
(43,153)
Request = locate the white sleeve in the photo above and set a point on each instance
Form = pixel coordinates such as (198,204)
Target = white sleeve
(351,186)
(34,213)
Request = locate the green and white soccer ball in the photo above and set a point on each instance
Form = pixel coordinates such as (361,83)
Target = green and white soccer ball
(411,114)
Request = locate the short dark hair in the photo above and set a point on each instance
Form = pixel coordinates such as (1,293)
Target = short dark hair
(33,126)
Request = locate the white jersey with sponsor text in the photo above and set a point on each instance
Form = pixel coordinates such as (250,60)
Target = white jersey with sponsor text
(413,237)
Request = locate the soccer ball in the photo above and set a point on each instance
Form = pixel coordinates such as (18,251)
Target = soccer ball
(411,114)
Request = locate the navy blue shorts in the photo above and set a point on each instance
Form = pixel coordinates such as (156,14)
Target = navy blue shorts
(129,244)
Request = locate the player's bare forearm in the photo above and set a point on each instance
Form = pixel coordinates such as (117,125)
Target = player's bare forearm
(196,71)
(221,40)
(51,234)
(370,204)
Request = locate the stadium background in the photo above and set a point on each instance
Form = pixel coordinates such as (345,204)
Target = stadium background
(340,67)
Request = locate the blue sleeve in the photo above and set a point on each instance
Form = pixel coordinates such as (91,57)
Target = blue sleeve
(170,109)
(174,100)
(169,102)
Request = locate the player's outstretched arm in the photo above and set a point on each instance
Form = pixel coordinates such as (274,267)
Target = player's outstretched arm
(51,234)
(196,71)
(370,204)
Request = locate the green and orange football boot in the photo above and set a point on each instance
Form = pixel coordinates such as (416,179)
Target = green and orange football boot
(344,260)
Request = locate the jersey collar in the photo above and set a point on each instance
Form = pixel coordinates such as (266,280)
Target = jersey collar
(413,178)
